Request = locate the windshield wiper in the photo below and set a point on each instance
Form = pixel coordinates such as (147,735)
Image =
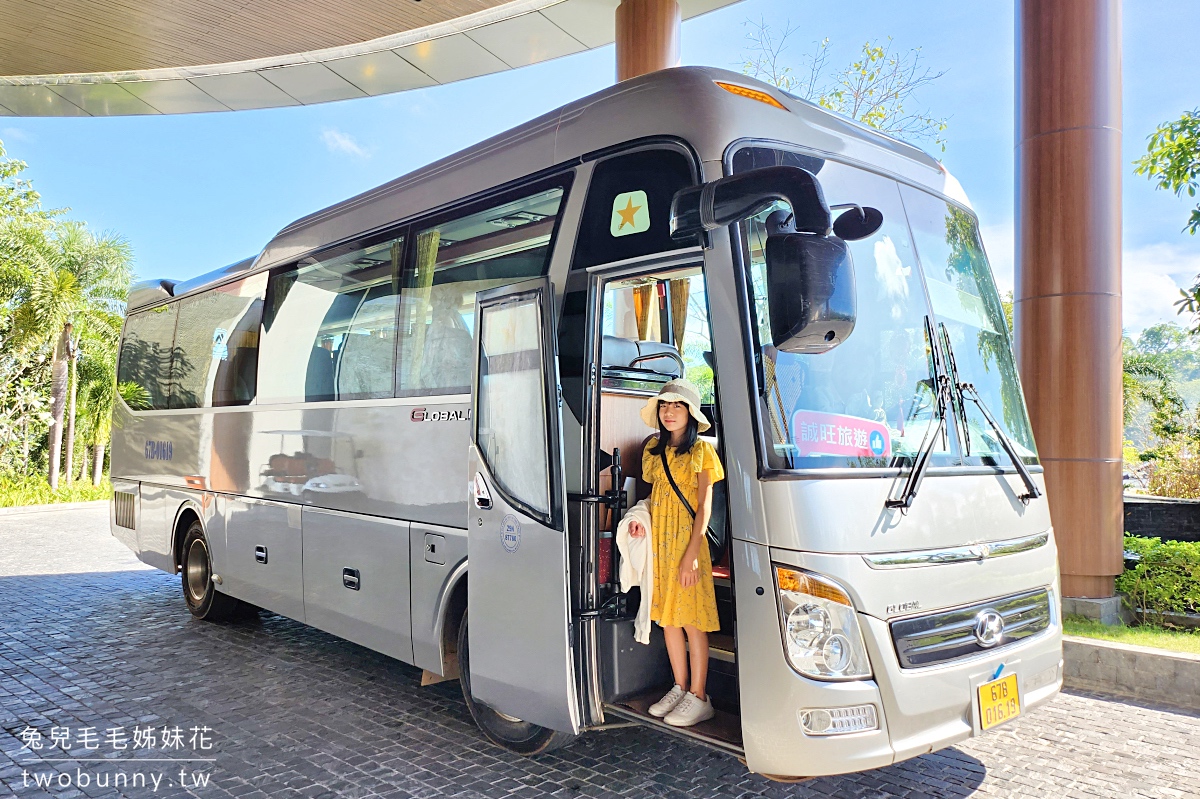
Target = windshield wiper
(968,391)
(965,391)
(941,387)
(959,406)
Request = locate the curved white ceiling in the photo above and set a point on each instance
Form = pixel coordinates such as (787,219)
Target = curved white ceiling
(499,36)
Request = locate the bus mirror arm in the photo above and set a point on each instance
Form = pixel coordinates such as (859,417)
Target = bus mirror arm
(731,199)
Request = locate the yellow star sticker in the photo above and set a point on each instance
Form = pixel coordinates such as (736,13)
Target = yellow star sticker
(627,213)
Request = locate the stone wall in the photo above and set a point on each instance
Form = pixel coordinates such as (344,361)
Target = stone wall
(1138,672)
(1168,519)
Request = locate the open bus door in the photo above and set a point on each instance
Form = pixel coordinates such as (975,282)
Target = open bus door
(521,659)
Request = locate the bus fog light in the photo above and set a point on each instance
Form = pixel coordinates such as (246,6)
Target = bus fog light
(820,627)
(839,720)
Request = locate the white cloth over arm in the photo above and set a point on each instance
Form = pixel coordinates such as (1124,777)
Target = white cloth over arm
(637,566)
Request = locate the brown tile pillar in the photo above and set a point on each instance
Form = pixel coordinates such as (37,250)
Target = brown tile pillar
(647,37)
(1068,277)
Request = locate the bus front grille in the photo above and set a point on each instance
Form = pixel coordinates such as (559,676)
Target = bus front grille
(952,634)
(123,509)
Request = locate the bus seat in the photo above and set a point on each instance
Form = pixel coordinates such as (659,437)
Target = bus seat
(666,365)
(623,353)
(617,351)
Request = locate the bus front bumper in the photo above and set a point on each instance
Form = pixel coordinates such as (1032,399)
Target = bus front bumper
(918,710)
(934,707)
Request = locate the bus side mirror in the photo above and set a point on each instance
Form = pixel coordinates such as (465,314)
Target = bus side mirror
(810,290)
(732,199)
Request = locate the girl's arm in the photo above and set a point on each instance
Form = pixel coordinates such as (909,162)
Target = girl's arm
(688,574)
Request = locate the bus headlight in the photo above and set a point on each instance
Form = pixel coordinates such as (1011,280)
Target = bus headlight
(820,627)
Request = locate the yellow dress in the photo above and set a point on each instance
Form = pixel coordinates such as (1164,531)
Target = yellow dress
(671,529)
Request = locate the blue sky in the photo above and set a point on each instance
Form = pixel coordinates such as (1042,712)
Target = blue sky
(195,192)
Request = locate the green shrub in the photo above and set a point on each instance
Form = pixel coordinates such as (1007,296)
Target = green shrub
(1167,577)
(34,490)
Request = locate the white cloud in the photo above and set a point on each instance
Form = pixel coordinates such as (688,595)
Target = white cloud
(339,142)
(1151,275)
(1150,281)
(15,134)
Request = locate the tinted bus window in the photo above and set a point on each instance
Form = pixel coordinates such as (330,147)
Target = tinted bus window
(329,328)
(146,355)
(216,346)
(628,209)
(455,259)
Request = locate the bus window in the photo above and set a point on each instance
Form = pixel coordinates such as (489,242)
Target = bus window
(628,207)
(329,327)
(454,260)
(216,346)
(511,376)
(867,402)
(146,354)
(671,311)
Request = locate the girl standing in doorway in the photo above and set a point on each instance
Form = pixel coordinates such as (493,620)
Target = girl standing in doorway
(681,469)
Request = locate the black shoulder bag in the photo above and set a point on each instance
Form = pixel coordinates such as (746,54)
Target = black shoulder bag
(716,537)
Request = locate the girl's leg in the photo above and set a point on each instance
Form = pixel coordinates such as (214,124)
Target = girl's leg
(677,652)
(698,644)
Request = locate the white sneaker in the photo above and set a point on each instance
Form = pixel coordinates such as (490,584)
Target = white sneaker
(690,710)
(665,705)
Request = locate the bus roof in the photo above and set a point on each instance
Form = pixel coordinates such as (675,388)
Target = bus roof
(687,103)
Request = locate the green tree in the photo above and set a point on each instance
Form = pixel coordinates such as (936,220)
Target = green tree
(1006,302)
(1179,350)
(1149,378)
(97,391)
(23,224)
(1172,160)
(876,89)
(17,197)
(69,283)
(24,407)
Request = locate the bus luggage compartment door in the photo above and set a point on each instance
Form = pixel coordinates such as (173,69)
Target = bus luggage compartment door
(522,662)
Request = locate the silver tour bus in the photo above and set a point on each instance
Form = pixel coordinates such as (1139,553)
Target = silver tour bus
(412,421)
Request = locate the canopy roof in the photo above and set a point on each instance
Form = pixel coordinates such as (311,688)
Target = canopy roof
(87,58)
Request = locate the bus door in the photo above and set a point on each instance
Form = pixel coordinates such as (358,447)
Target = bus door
(521,652)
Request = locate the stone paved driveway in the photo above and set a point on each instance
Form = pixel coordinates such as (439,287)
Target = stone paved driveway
(90,642)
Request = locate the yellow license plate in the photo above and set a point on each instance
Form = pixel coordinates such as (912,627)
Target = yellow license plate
(998,701)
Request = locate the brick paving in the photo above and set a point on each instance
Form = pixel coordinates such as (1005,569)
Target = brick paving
(91,639)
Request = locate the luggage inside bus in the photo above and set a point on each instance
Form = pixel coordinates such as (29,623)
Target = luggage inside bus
(656,328)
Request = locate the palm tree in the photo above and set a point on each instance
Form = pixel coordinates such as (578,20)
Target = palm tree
(98,390)
(72,282)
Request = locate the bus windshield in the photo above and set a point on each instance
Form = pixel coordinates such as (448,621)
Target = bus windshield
(869,402)
(964,299)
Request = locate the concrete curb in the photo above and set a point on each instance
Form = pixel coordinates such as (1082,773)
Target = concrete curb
(21,510)
(1136,672)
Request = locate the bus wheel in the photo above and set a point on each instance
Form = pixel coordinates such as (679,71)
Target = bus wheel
(202,597)
(515,735)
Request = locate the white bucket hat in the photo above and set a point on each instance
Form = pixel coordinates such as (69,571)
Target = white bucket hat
(678,390)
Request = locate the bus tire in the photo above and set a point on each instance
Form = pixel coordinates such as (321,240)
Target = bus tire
(520,737)
(201,595)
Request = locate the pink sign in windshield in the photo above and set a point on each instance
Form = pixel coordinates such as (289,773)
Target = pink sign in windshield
(816,433)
